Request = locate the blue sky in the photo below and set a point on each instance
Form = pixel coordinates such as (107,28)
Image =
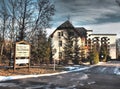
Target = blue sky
(101,16)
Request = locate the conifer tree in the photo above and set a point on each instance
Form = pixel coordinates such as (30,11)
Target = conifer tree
(68,49)
(40,47)
(103,53)
(96,55)
(76,52)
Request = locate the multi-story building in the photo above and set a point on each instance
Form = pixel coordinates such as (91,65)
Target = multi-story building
(86,40)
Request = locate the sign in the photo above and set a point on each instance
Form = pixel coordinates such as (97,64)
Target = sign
(22,50)
(22,54)
(22,61)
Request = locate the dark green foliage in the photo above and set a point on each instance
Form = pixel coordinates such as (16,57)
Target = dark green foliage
(103,53)
(91,57)
(96,55)
(40,48)
(76,52)
(50,50)
(68,49)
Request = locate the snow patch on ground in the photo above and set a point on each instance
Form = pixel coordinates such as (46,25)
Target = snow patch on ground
(115,67)
(8,85)
(103,69)
(92,82)
(71,69)
(35,87)
(117,71)
(76,68)
(84,77)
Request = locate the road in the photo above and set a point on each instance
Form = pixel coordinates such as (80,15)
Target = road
(98,77)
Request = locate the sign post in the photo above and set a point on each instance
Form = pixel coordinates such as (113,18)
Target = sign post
(22,55)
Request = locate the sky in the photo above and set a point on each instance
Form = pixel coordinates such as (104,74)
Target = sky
(101,16)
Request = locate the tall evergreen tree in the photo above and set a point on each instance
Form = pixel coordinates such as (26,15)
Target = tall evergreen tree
(76,59)
(40,47)
(68,49)
(95,55)
(103,53)
(50,50)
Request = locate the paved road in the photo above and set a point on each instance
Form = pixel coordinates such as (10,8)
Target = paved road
(98,77)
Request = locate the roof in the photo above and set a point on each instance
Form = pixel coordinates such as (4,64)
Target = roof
(81,31)
(66,25)
(89,30)
(105,34)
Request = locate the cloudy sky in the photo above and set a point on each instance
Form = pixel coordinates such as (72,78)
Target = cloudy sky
(101,16)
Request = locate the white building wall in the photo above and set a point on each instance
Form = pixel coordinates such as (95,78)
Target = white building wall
(112,42)
(55,43)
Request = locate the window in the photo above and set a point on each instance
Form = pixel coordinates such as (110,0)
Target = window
(60,34)
(60,54)
(60,43)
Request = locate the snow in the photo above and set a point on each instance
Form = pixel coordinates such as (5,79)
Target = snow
(114,64)
(8,84)
(71,69)
(84,77)
(115,70)
(76,68)
(92,82)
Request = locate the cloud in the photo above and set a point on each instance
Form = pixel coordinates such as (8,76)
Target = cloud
(108,28)
(98,15)
(88,11)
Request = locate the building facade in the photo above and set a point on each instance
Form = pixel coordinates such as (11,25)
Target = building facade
(86,40)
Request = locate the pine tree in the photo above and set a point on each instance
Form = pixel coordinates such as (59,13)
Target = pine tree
(40,47)
(103,53)
(68,49)
(95,55)
(50,50)
(76,52)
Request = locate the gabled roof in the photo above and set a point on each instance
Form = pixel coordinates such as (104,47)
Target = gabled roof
(81,31)
(66,25)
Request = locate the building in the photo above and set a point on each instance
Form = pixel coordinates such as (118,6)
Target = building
(86,40)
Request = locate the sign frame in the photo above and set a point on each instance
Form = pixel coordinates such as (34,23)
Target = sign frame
(22,54)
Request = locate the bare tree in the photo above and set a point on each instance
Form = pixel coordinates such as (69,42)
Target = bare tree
(43,12)
(25,20)
(3,18)
(23,17)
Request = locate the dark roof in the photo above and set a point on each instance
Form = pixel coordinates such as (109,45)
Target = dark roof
(105,34)
(89,30)
(66,25)
(81,31)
